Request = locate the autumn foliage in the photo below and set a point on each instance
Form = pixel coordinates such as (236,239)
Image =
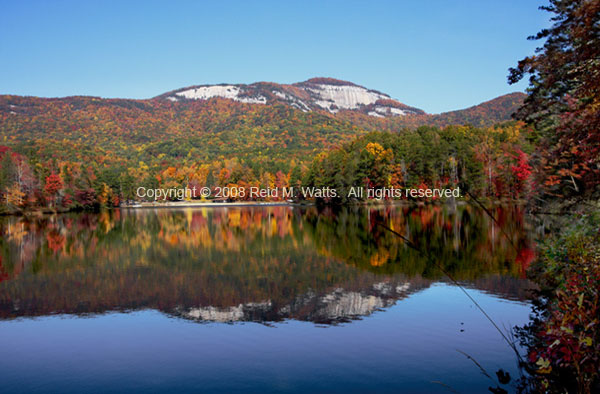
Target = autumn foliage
(563,101)
(563,341)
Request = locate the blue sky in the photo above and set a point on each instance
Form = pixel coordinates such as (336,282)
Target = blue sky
(435,55)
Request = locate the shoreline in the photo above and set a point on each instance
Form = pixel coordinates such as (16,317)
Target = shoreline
(305,203)
(187,204)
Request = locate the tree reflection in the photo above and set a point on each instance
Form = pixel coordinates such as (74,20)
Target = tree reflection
(254,263)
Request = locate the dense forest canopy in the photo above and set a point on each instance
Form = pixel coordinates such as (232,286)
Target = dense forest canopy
(86,152)
(563,101)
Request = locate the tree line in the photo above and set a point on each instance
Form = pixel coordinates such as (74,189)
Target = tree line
(487,162)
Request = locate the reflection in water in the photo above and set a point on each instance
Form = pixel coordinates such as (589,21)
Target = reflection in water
(338,305)
(284,266)
(254,263)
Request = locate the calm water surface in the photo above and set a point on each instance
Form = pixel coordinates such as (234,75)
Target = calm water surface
(262,299)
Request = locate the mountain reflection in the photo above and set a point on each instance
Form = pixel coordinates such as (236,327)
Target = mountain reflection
(254,263)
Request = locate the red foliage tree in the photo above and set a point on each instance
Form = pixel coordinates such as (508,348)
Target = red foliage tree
(521,171)
(53,186)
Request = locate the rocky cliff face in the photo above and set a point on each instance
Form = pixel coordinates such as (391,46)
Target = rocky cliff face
(326,94)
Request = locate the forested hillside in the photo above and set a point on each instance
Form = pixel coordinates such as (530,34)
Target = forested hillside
(485,114)
(205,128)
(89,152)
(491,162)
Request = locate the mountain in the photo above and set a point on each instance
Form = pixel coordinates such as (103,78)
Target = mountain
(486,114)
(367,108)
(267,125)
(500,108)
(265,134)
(316,94)
(349,101)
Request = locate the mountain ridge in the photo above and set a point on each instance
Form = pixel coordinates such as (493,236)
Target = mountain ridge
(369,108)
(315,94)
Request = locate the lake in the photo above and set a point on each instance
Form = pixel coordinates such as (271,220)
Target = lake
(262,299)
